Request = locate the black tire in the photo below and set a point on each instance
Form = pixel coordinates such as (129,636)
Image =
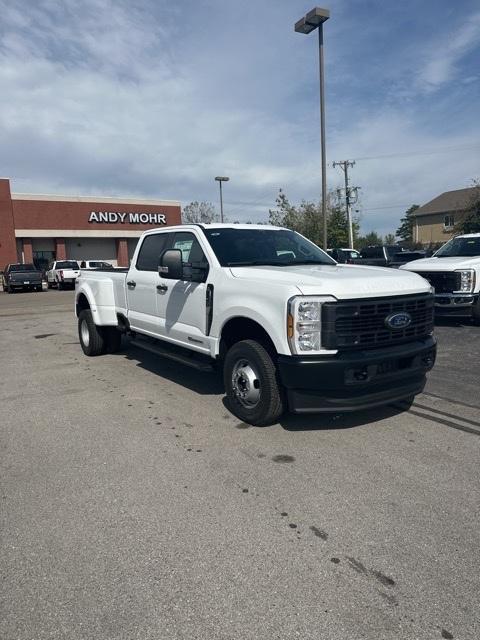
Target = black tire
(476,313)
(7,289)
(253,391)
(38,288)
(60,286)
(92,338)
(49,284)
(113,339)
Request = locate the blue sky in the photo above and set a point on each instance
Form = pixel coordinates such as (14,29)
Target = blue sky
(155,98)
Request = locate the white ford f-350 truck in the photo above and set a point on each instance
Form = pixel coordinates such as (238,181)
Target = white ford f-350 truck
(454,273)
(289,327)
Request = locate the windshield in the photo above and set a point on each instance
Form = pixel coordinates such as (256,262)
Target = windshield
(460,247)
(22,267)
(251,247)
(67,264)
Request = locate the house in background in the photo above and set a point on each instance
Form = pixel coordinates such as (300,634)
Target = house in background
(434,222)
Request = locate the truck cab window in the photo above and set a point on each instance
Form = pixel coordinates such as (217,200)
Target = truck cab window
(193,257)
(152,247)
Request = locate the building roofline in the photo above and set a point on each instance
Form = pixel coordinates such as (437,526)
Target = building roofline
(93,199)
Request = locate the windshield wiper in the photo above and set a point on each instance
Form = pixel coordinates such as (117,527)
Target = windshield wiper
(257,263)
(294,262)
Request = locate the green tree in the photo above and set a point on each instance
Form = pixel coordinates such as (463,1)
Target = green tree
(405,230)
(471,221)
(199,212)
(306,218)
(389,238)
(370,239)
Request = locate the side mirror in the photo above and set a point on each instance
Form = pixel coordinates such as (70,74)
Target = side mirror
(171,265)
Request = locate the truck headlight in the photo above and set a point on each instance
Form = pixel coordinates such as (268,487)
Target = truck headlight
(304,323)
(466,281)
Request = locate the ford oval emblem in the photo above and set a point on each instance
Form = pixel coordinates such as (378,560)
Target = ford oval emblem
(399,320)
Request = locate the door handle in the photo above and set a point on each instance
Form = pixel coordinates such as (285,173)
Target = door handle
(131,283)
(162,287)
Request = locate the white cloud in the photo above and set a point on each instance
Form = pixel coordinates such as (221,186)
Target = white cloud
(106,97)
(444,53)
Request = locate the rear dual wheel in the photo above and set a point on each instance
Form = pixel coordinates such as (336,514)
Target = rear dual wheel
(96,340)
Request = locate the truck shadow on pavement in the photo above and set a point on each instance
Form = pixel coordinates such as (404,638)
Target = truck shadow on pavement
(205,384)
(454,322)
(211,384)
(338,421)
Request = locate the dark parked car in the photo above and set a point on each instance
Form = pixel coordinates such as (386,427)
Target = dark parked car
(344,256)
(22,276)
(406,256)
(387,256)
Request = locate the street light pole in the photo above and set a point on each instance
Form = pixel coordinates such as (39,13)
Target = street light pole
(221,179)
(314,19)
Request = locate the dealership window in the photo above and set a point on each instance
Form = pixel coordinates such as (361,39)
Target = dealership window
(150,251)
(449,221)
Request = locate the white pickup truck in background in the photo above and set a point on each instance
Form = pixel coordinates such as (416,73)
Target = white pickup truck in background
(62,273)
(95,264)
(289,327)
(454,273)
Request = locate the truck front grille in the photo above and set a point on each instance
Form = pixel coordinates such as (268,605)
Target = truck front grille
(442,281)
(360,324)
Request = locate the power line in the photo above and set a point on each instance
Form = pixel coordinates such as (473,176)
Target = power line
(406,154)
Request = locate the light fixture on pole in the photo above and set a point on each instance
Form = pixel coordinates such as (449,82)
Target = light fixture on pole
(314,19)
(221,179)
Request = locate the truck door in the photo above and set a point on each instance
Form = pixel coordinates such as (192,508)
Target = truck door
(142,282)
(181,305)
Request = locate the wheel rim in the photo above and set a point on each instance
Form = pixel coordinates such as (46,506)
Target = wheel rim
(85,333)
(246,383)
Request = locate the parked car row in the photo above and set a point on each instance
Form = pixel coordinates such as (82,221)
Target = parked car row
(453,271)
(60,274)
(376,256)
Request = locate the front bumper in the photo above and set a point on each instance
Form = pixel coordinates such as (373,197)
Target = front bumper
(355,380)
(458,305)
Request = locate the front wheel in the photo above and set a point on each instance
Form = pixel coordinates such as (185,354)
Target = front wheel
(92,339)
(253,391)
(476,313)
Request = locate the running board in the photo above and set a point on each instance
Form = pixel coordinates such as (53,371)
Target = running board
(197,361)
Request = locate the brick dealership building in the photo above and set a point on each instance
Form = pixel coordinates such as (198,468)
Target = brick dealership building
(41,228)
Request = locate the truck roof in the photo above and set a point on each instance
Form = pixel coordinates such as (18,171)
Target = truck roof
(468,235)
(218,225)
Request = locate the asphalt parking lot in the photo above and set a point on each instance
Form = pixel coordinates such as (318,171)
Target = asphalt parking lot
(134,506)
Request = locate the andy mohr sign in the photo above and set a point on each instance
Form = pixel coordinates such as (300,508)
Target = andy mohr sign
(114,217)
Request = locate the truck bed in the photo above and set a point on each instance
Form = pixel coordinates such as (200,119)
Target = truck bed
(107,285)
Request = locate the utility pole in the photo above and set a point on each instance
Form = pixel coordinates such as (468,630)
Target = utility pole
(350,196)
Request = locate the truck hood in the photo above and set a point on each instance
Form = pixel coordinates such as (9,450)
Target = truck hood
(343,281)
(442,264)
